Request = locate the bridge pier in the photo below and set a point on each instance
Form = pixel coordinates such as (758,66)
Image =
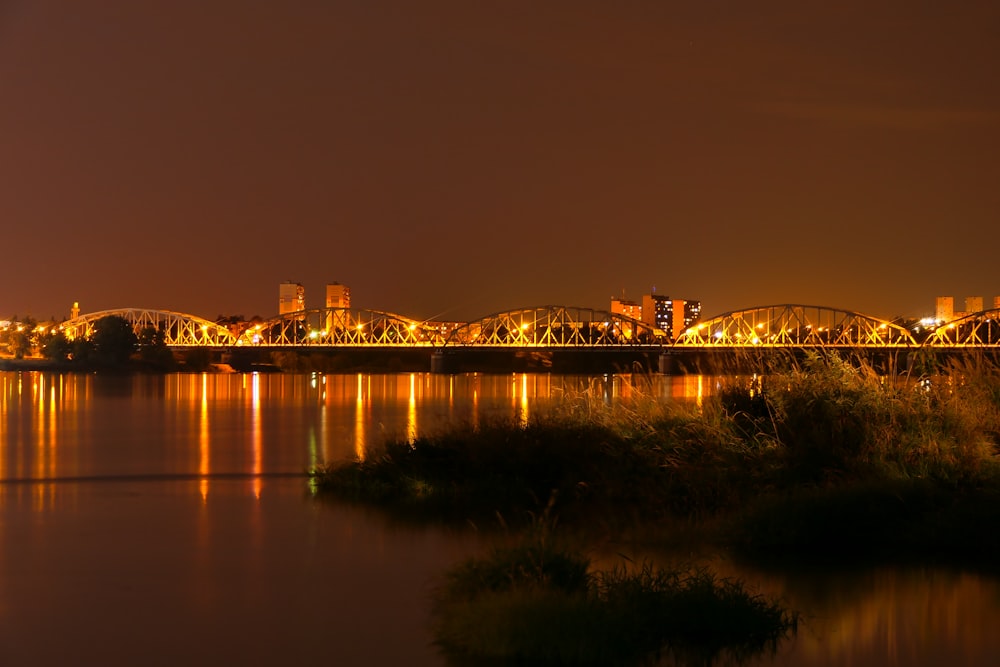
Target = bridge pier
(669,363)
(442,363)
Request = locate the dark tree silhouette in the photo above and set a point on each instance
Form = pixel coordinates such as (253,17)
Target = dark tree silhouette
(56,346)
(114,340)
(153,348)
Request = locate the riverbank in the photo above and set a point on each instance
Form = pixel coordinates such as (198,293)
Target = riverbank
(34,364)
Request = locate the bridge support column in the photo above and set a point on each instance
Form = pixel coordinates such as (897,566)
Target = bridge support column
(670,364)
(442,363)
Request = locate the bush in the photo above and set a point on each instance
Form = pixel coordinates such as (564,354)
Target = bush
(534,604)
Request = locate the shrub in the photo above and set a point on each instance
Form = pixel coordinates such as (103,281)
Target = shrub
(508,607)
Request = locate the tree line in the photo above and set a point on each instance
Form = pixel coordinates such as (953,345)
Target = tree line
(112,342)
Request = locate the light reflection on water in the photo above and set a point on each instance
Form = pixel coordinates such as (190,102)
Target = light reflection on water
(157,513)
(903,616)
(204,425)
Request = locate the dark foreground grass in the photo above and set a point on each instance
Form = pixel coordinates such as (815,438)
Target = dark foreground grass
(538,604)
(828,458)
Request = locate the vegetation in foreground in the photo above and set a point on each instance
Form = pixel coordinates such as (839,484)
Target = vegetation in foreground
(535,603)
(829,459)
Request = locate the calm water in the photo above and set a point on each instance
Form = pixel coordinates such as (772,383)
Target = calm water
(165,520)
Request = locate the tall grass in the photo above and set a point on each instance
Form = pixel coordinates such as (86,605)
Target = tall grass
(833,421)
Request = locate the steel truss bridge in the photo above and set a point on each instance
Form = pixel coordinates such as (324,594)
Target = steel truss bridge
(180,329)
(778,326)
(818,327)
(795,326)
(555,326)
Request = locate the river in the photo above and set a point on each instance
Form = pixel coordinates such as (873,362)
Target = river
(167,520)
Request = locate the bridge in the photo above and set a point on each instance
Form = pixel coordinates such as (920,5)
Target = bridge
(795,326)
(342,327)
(555,327)
(976,330)
(180,329)
(790,326)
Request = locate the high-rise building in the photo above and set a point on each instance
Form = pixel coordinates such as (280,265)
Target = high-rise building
(657,311)
(626,308)
(973,304)
(996,302)
(291,297)
(338,296)
(945,309)
(691,314)
(672,316)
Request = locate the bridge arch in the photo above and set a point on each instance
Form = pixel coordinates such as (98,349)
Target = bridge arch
(795,325)
(180,329)
(341,327)
(555,326)
(980,329)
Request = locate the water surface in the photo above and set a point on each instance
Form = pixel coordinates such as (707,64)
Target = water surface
(166,520)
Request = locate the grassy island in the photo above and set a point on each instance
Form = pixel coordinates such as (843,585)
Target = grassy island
(539,603)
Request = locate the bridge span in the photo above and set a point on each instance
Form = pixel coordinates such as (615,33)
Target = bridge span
(795,326)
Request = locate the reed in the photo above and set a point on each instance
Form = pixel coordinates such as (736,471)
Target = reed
(834,422)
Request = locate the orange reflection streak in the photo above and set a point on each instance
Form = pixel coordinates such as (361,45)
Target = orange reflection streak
(41,448)
(524,400)
(626,388)
(411,410)
(324,436)
(45,429)
(359,421)
(513,394)
(19,461)
(688,387)
(53,439)
(475,401)
(4,393)
(451,397)
(258,434)
(203,449)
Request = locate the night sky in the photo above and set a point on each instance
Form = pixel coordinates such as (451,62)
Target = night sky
(448,158)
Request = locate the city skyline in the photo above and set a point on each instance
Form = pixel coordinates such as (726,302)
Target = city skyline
(293,296)
(449,161)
